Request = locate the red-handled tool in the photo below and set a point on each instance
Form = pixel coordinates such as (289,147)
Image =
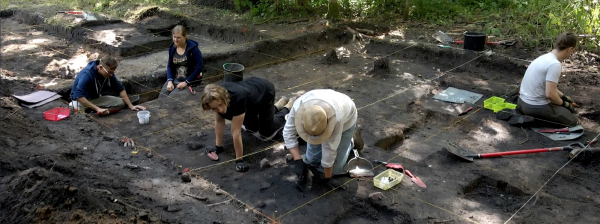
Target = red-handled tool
(466,111)
(564,131)
(415,179)
(110,111)
(394,166)
(72,12)
(554,130)
(591,142)
(192,91)
(503,42)
(468,155)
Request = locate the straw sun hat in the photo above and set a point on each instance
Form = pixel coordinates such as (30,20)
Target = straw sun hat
(315,121)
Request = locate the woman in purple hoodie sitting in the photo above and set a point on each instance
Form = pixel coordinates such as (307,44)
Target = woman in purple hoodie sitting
(185,66)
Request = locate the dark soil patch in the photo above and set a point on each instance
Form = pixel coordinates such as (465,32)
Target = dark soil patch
(375,211)
(595,116)
(497,194)
(381,67)
(331,57)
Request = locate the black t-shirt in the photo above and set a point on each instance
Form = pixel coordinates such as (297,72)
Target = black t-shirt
(180,61)
(248,96)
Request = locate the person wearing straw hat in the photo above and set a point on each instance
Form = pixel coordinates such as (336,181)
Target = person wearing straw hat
(95,85)
(326,120)
(249,105)
(185,65)
(539,95)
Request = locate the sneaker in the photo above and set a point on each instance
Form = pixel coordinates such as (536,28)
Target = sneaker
(270,137)
(257,135)
(521,120)
(505,115)
(290,103)
(281,103)
(267,138)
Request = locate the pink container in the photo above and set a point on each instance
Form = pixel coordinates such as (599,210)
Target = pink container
(57,114)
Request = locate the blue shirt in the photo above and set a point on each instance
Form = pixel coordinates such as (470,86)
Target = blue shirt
(91,84)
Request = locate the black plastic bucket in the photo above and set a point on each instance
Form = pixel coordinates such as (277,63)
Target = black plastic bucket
(475,41)
(234,72)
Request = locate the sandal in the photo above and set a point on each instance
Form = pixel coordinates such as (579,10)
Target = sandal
(241,166)
(211,153)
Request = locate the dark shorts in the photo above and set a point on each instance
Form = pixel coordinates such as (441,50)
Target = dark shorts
(164,92)
(262,118)
(549,114)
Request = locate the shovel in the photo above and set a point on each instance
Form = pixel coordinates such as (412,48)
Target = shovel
(360,167)
(445,38)
(565,131)
(469,155)
(86,15)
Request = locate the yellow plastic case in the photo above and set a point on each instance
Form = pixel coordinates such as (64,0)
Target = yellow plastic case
(388,173)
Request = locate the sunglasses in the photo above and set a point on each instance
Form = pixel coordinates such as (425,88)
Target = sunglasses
(110,73)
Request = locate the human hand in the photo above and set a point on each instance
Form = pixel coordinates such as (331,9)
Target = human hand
(137,107)
(102,111)
(568,106)
(301,169)
(335,184)
(182,85)
(170,86)
(567,98)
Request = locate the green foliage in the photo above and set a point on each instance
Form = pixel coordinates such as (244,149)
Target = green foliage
(241,4)
(101,5)
(280,9)
(534,22)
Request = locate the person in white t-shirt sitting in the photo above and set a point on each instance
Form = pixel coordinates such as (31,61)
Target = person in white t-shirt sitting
(539,97)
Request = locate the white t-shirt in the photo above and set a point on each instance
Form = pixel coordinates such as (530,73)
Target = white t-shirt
(346,115)
(542,69)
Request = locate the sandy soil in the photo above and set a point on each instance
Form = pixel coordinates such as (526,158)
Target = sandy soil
(77,170)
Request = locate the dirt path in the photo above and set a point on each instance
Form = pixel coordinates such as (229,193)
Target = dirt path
(78,170)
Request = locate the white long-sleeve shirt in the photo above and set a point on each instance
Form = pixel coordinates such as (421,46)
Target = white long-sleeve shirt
(346,115)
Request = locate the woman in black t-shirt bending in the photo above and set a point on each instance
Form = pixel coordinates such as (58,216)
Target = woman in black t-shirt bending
(250,105)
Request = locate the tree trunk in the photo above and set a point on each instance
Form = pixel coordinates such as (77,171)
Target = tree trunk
(302,3)
(333,11)
(406,10)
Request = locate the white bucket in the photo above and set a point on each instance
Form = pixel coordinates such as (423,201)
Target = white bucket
(144,116)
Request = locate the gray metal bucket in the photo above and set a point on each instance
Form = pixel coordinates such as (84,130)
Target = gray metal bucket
(234,72)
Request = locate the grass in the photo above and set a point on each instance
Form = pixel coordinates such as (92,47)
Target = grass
(535,23)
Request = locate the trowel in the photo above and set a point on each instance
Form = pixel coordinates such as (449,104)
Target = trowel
(360,167)
(86,15)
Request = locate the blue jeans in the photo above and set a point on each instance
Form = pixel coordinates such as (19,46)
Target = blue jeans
(314,154)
